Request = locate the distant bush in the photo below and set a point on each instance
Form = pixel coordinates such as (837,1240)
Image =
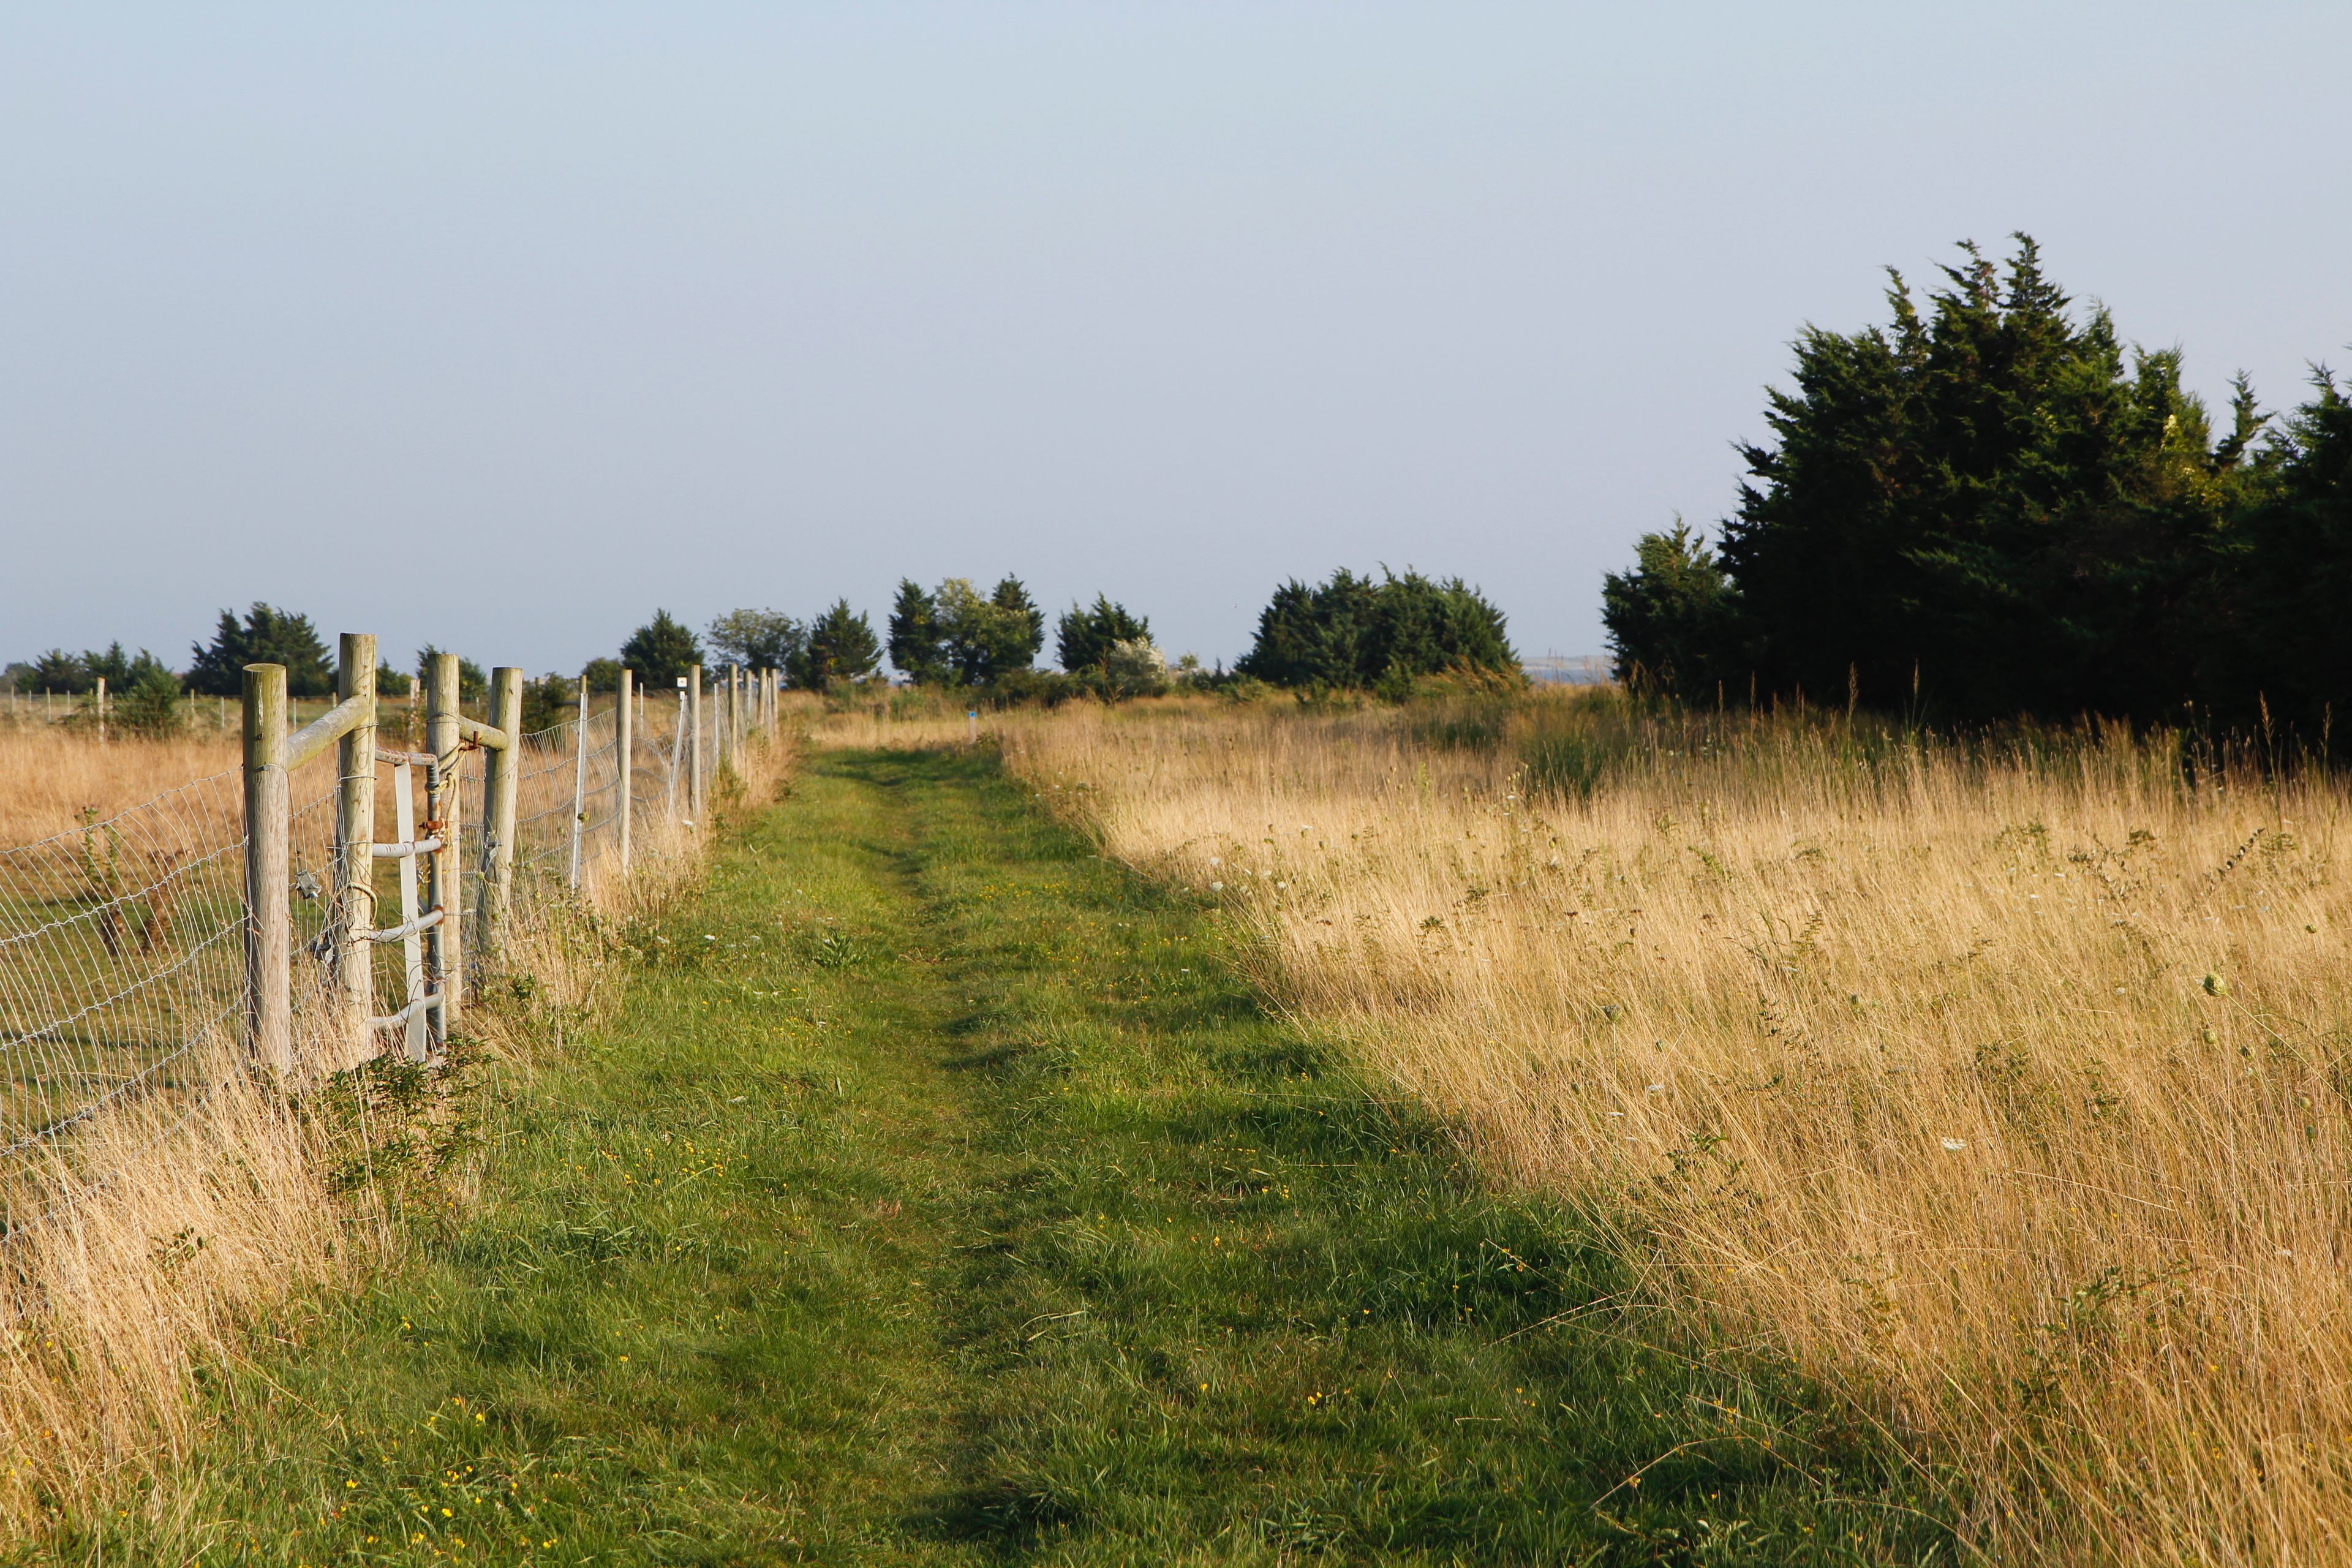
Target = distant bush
(756,639)
(152,706)
(1354,633)
(548,700)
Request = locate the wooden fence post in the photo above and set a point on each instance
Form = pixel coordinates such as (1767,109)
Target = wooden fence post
(101,710)
(355,837)
(445,947)
(624,736)
(694,759)
(502,767)
(269,871)
(579,785)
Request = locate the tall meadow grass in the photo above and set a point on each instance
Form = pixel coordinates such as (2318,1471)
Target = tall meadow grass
(2001,1086)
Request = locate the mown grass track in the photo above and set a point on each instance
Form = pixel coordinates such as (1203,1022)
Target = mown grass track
(941,1195)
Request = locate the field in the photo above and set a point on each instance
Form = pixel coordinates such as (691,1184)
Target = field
(2002,1088)
(1837,1144)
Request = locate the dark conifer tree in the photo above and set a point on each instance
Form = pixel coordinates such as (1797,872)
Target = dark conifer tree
(1083,637)
(660,651)
(914,635)
(840,646)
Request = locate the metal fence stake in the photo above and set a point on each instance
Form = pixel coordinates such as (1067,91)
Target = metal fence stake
(624,736)
(579,787)
(694,757)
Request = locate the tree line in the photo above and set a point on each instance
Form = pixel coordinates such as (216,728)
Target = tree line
(1351,632)
(1992,508)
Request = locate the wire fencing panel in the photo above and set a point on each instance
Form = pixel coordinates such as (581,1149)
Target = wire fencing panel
(121,961)
(122,941)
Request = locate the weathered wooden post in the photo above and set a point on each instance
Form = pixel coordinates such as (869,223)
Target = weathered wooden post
(445,947)
(694,757)
(269,871)
(355,834)
(579,785)
(101,710)
(624,736)
(501,770)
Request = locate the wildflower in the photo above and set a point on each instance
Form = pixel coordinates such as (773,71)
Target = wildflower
(1657,1088)
(1955,1145)
(1216,887)
(2216,986)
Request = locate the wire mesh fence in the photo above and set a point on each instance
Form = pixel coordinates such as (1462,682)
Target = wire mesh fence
(123,940)
(123,960)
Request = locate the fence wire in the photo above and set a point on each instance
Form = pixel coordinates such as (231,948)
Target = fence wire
(123,941)
(122,958)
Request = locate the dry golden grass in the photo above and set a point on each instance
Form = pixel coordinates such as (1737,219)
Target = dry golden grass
(50,774)
(2006,1095)
(204,1220)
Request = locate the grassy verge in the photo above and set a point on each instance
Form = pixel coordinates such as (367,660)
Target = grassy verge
(940,1196)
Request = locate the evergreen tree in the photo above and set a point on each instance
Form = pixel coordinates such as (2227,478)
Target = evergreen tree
(1669,618)
(1018,632)
(1354,632)
(914,635)
(57,670)
(1083,637)
(2281,641)
(113,667)
(840,646)
(660,651)
(1991,504)
(266,636)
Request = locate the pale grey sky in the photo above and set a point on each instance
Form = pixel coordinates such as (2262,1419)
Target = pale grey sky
(604,306)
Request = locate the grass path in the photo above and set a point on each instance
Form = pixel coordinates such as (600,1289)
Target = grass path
(940,1196)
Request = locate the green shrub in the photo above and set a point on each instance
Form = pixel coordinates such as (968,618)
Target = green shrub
(152,706)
